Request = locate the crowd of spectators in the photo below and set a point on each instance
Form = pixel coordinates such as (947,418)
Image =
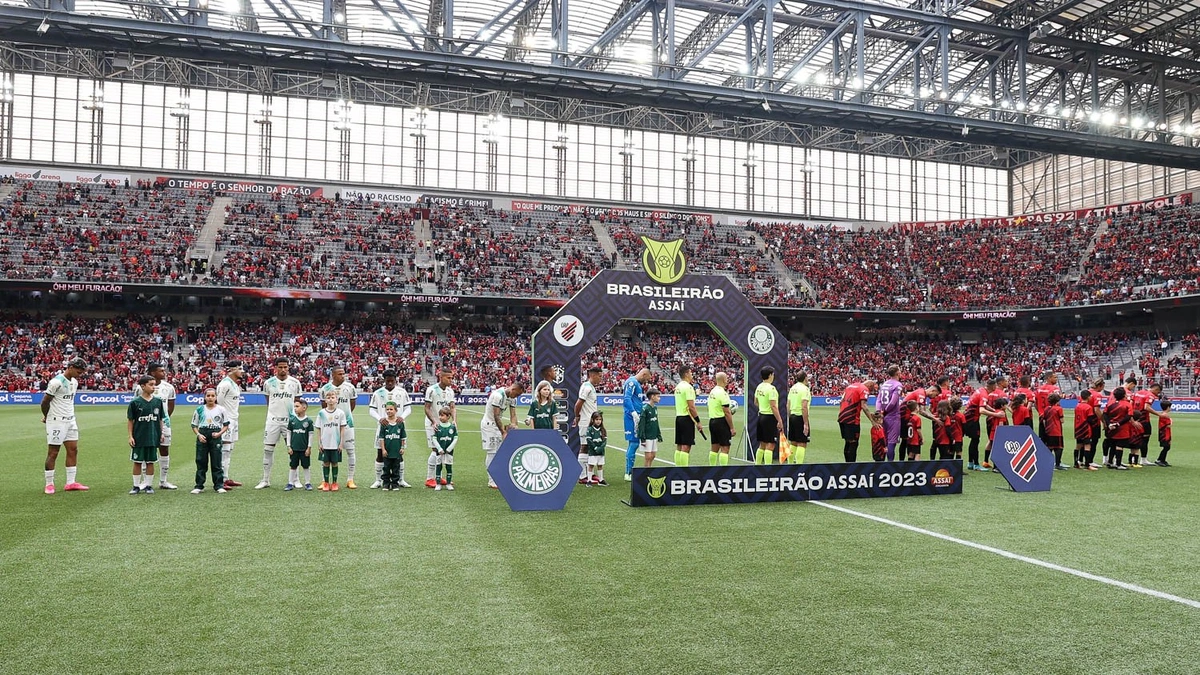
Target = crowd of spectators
(848,269)
(35,347)
(99,232)
(512,253)
(142,232)
(1020,265)
(297,241)
(1145,255)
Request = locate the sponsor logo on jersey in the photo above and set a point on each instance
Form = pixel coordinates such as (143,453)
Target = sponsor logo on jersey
(664,261)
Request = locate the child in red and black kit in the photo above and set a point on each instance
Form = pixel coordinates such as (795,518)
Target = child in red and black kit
(943,427)
(878,437)
(1020,411)
(913,429)
(956,432)
(1053,423)
(1164,433)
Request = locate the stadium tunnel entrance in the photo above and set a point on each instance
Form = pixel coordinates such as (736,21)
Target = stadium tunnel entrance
(613,295)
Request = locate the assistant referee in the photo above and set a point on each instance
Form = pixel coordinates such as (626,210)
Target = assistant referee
(799,398)
(686,417)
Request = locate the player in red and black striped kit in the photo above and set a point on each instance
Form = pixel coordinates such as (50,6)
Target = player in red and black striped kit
(1142,402)
(1052,417)
(1041,399)
(1085,423)
(971,423)
(1164,433)
(1117,419)
(993,410)
(854,406)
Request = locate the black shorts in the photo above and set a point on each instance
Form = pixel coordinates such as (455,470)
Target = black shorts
(850,432)
(956,448)
(1054,442)
(298,458)
(1029,423)
(1041,428)
(718,431)
(768,429)
(795,432)
(912,449)
(971,429)
(685,430)
(1084,438)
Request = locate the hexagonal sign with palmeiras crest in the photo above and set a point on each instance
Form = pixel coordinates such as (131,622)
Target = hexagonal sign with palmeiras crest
(534,470)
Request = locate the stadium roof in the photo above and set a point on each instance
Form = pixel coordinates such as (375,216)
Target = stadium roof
(982,82)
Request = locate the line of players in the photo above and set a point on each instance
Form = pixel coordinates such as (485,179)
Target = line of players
(215,425)
(1114,421)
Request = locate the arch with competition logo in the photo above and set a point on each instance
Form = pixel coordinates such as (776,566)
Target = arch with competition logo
(661,291)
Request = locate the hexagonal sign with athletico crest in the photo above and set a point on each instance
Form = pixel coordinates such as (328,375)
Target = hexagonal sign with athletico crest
(534,470)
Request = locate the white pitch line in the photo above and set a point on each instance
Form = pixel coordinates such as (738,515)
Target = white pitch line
(1016,556)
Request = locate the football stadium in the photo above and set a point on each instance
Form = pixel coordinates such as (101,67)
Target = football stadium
(678,336)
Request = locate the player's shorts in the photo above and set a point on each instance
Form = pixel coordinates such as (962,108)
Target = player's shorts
(650,445)
(231,433)
(912,449)
(630,430)
(276,431)
(685,430)
(891,429)
(298,458)
(850,432)
(147,454)
(718,431)
(331,456)
(1041,428)
(795,430)
(1054,442)
(1029,423)
(595,460)
(991,429)
(490,438)
(59,430)
(971,429)
(768,429)
(1084,437)
(956,448)
(1095,433)
(879,451)
(446,458)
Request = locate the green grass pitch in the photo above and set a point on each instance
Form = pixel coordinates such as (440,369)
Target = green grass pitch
(417,581)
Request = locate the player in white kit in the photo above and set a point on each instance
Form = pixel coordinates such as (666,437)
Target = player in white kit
(492,429)
(229,397)
(437,396)
(393,392)
(282,391)
(584,407)
(165,391)
(58,414)
(347,400)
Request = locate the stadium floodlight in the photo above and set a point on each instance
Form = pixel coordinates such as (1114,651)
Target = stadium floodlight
(1094,116)
(1006,104)
(801,76)
(43,26)
(855,83)
(766,105)
(1021,106)
(202,4)
(1108,118)
(6,89)
(339,17)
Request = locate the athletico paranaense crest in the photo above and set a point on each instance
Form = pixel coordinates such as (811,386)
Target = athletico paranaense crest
(664,260)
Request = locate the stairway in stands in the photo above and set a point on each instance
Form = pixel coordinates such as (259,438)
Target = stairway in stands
(206,242)
(606,242)
(423,257)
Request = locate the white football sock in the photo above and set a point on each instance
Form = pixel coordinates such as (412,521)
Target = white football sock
(226,454)
(70,474)
(164,463)
(583,472)
(50,477)
(378,471)
(307,476)
(268,462)
(431,465)
(350,462)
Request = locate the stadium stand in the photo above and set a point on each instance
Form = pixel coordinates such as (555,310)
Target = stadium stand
(74,232)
